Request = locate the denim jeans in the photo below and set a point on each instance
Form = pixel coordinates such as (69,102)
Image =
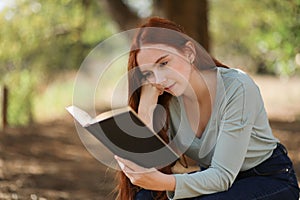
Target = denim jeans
(274,179)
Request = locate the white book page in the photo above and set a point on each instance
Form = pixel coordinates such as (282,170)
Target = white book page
(110,113)
(83,118)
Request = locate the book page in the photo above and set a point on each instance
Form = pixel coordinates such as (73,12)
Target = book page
(82,117)
(111,113)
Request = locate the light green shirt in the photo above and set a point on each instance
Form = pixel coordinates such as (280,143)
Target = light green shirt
(237,137)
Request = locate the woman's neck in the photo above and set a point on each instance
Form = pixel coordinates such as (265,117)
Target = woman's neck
(198,100)
(197,90)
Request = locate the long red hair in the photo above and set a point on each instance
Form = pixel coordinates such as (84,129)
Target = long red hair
(154,31)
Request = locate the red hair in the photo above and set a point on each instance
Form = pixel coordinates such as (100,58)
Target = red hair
(154,31)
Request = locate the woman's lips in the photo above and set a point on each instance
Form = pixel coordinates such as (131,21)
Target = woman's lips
(170,87)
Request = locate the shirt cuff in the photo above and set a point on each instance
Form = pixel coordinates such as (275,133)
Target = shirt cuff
(177,193)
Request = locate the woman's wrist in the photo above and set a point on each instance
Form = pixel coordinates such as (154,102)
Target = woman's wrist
(168,182)
(146,114)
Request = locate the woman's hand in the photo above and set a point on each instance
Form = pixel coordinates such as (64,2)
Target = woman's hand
(150,179)
(148,100)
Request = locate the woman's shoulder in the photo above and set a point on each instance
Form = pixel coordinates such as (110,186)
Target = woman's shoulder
(235,77)
(234,73)
(235,82)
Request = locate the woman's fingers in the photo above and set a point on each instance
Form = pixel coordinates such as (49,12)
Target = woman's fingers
(126,163)
(158,87)
(130,167)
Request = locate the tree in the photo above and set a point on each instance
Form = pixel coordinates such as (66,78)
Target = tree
(40,38)
(192,15)
(43,38)
(263,35)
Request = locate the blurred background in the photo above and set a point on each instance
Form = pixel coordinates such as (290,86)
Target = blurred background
(44,42)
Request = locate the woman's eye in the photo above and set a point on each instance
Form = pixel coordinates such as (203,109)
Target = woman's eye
(146,74)
(163,64)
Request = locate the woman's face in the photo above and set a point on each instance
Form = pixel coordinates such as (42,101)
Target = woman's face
(165,66)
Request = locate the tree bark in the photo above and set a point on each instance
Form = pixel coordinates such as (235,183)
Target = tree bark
(190,14)
(125,18)
(4,106)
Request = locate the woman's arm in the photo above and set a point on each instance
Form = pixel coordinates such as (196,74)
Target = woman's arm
(148,101)
(234,129)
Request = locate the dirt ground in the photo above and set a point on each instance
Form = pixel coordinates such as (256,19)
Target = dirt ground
(48,160)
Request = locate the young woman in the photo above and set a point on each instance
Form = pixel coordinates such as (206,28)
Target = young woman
(220,107)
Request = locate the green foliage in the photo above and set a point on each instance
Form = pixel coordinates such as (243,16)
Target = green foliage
(39,38)
(20,96)
(265,34)
(50,34)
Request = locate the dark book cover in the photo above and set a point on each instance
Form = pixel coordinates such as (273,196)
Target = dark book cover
(125,135)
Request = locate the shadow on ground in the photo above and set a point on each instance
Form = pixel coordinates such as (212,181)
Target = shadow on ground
(48,161)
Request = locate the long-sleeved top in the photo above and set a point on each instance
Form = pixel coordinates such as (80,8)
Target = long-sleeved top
(237,137)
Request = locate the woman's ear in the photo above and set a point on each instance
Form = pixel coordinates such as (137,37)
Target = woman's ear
(190,51)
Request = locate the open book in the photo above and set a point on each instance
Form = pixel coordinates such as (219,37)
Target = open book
(126,135)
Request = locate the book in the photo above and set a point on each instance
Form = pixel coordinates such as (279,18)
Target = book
(127,136)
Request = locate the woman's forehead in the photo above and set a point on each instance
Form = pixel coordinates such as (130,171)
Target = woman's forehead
(152,52)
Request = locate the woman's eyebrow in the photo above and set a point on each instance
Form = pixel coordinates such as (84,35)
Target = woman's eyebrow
(158,60)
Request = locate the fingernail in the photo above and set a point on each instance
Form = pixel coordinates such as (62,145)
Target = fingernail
(122,166)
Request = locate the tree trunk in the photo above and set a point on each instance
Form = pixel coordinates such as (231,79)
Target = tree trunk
(4,106)
(125,18)
(190,14)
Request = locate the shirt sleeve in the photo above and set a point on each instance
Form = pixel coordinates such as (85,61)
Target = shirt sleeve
(238,116)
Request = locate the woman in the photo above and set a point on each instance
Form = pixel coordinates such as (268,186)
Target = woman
(223,110)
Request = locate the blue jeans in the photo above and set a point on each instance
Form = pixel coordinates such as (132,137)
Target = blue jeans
(274,179)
